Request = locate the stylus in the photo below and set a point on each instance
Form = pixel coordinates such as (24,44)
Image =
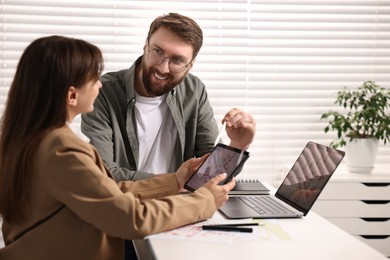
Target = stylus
(220,133)
(226,228)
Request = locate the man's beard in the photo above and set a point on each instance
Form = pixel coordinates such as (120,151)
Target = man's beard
(157,90)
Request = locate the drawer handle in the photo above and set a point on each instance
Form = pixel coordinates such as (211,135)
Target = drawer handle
(376,184)
(375,236)
(376,201)
(375,219)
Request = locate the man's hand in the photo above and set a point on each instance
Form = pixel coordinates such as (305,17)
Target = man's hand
(240,128)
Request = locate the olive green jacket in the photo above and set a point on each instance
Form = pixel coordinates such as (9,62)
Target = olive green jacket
(111,126)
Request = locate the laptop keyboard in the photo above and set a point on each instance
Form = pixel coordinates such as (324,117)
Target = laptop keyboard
(264,205)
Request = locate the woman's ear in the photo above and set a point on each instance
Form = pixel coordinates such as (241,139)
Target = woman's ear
(71,97)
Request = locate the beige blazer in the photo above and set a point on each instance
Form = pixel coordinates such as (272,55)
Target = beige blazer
(80,212)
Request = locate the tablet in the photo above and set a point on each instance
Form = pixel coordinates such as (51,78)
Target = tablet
(223,158)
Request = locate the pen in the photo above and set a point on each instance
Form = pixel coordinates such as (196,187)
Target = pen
(220,133)
(227,228)
(235,225)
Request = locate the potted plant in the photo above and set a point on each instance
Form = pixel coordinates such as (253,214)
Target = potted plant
(365,121)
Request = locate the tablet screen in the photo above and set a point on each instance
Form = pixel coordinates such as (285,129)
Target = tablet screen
(222,159)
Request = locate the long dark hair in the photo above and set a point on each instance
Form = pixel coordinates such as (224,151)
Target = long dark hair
(36,104)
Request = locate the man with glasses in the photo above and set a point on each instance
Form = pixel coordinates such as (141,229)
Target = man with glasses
(150,118)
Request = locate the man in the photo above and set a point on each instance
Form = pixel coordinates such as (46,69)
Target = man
(151,117)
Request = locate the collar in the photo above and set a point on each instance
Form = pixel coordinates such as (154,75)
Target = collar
(77,132)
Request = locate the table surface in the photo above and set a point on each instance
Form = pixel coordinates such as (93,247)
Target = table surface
(310,237)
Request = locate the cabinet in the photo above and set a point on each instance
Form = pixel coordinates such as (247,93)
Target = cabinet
(359,204)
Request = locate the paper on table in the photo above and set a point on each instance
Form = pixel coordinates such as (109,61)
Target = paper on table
(271,231)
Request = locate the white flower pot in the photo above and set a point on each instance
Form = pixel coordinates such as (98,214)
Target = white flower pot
(361,154)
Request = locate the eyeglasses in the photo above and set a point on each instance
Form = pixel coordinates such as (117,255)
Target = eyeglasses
(176,64)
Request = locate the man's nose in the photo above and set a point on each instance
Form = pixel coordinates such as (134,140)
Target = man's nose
(164,66)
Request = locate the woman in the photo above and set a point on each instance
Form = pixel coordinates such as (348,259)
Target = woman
(57,199)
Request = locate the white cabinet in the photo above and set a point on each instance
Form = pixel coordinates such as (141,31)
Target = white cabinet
(359,204)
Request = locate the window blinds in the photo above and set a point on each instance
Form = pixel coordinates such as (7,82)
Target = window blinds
(281,60)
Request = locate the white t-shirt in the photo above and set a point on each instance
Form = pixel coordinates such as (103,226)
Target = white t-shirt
(157,135)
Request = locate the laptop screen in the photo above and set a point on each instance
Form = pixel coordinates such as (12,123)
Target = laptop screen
(309,175)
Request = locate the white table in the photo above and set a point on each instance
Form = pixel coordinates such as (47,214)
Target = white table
(310,237)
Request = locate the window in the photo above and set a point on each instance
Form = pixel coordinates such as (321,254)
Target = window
(281,60)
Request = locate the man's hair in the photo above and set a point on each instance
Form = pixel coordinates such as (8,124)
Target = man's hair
(182,26)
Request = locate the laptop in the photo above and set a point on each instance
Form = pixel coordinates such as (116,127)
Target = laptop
(298,191)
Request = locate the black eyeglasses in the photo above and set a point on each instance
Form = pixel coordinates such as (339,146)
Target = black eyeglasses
(176,64)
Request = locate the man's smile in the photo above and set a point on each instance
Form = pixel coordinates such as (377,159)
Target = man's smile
(160,77)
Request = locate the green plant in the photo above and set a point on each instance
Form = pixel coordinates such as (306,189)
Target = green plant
(367,114)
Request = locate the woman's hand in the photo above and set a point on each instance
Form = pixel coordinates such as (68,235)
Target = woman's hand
(220,192)
(187,169)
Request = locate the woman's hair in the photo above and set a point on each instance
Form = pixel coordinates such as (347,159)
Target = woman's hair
(36,104)
(182,26)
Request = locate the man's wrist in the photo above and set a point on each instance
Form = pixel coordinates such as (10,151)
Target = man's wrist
(239,146)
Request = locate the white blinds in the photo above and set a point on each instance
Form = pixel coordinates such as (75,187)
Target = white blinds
(281,60)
